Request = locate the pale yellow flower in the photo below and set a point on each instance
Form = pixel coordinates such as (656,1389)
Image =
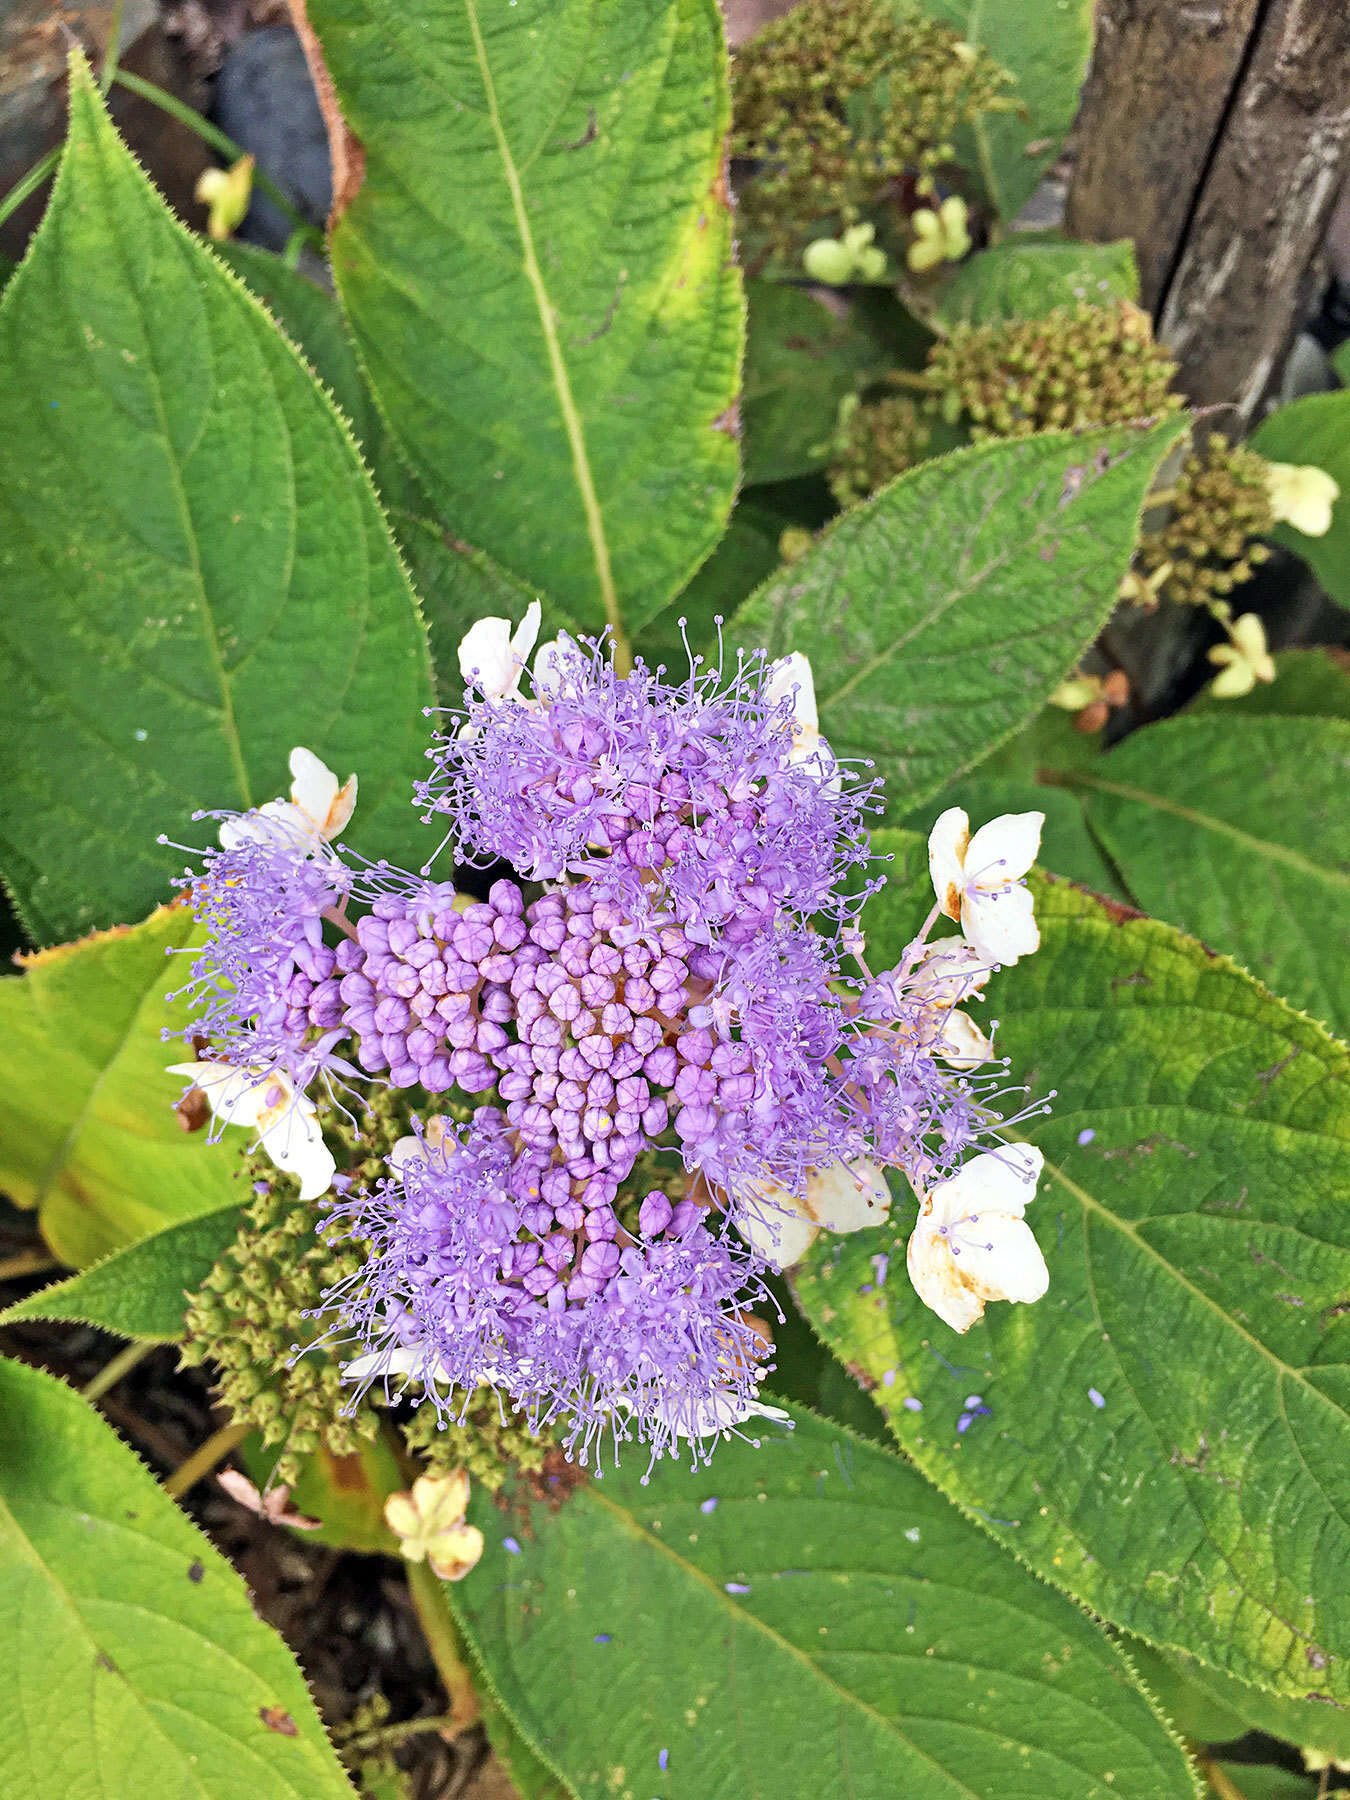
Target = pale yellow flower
(1302,495)
(429,1524)
(941,236)
(1243,661)
(227,192)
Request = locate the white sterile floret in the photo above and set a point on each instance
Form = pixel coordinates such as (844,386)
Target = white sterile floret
(492,657)
(780,1226)
(286,1122)
(1302,495)
(791,678)
(723,1411)
(317,811)
(1243,660)
(971,1243)
(978,881)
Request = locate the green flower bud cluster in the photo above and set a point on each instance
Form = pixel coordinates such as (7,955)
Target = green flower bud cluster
(840,98)
(486,1446)
(373,1768)
(874,440)
(248,1316)
(1220,508)
(1078,366)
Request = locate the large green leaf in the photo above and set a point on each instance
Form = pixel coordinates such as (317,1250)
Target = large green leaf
(940,614)
(1167,1434)
(137,1664)
(538,272)
(196,573)
(801,359)
(88,1132)
(806,1618)
(1045,45)
(1237,829)
(1027,277)
(139,1292)
(1316,429)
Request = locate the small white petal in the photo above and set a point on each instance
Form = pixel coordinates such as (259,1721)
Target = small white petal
(962,1043)
(948,970)
(526,634)
(1002,1180)
(1004,849)
(1008,1264)
(791,676)
(932,1271)
(488,659)
(1303,495)
(721,1412)
(293,1140)
(235,1096)
(1002,926)
(405,1151)
(947,843)
(847,1196)
(314,786)
(774,1225)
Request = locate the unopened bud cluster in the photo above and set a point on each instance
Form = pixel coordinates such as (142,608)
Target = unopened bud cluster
(250,1313)
(1079,366)
(491,1444)
(874,442)
(841,98)
(1220,508)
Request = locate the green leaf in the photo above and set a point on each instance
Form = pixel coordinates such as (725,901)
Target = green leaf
(197,576)
(137,1663)
(1193,1216)
(1026,278)
(746,556)
(1316,430)
(1236,830)
(538,274)
(88,1133)
(1259,1781)
(1210,1707)
(801,359)
(1308,684)
(530,1778)
(940,614)
(1045,45)
(138,1292)
(841,1631)
(345,1493)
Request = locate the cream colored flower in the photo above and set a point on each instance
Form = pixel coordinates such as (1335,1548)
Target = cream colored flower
(941,236)
(228,193)
(978,880)
(285,1122)
(429,1524)
(492,657)
(842,1197)
(1243,660)
(1302,495)
(317,811)
(971,1243)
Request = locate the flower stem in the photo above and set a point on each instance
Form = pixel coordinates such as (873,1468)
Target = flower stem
(27,1262)
(28,184)
(112,1372)
(389,1735)
(216,1448)
(443,1641)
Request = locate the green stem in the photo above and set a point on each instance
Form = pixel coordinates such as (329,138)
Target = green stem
(28,184)
(212,135)
(389,1735)
(111,54)
(27,1262)
(112,1372)
(443,1641)
(216,1448)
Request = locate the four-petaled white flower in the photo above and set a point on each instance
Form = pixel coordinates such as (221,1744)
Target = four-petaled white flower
(492,657)
(429,1524)
(1302,495)
(286,1122)
(318,809)
(780,1226)
(971,1243)
(978,880)
(1243,660)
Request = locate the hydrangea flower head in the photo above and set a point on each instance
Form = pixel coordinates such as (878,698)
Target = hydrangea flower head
(646,1059)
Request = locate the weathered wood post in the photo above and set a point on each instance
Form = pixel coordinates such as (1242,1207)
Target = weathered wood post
(1216,133)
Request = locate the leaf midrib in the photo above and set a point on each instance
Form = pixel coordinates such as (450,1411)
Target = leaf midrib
(1263,847)
(846,1695)
(548,323)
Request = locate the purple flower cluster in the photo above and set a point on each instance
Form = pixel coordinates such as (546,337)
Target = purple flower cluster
(484,1270)
(677,797)
(654,1015)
